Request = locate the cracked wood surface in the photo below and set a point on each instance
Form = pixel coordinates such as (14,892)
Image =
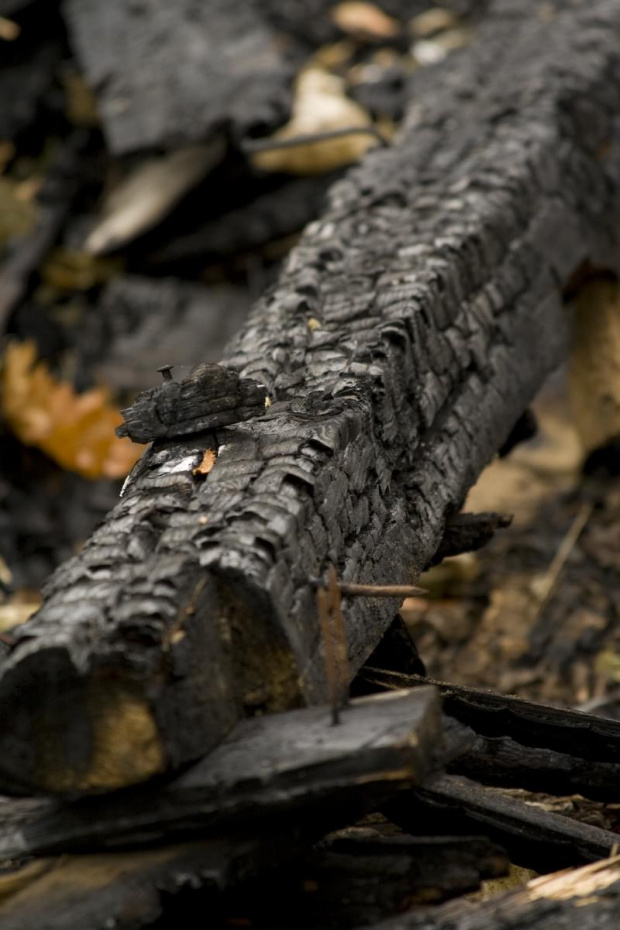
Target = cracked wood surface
(407,333)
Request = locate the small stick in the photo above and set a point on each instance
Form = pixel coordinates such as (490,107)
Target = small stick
(251,146)
(547,584)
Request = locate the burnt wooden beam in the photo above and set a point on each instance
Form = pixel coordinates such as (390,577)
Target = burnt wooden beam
(530,723)
(586,897)
(409,329)
(520,743)
(502,762)
(165,79)
(295,764)
(533,837)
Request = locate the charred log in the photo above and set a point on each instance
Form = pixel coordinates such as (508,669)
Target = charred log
(409,329)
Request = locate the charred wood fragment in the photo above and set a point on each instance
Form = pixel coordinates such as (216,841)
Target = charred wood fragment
(533,837)
(294,764)
(502,762)
(210,397)
(232,73)
(529,723)
(409,329)
(130,889)
(468,532)
(141,322)
(523,744)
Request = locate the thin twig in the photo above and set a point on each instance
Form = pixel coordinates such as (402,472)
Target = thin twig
(548,583)
(251,146)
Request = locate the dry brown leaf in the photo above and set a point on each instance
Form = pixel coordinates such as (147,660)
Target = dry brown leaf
(76,430)
(437,19)
(320,105)
(364,20)
(150,191)
(208,461)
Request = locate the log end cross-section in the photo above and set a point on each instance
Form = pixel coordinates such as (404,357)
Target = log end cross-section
(409,329)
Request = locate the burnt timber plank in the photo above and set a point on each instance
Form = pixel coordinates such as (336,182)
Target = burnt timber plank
(533,837)
(407,333)
(530,723)
(268,767)
(586,897)
(276,786)
(525,744)
(169,75)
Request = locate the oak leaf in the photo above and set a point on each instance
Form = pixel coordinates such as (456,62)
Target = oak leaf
(76,430)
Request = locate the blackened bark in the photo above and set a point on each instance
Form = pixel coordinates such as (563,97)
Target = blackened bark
(409,329)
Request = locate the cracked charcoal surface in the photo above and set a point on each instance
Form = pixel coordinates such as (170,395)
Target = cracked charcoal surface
(435,277)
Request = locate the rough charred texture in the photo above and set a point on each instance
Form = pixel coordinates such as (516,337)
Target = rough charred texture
(587,897)
(511,748)
(533,837)
(295,764)
(408,331)
(166,77)
(209,398)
